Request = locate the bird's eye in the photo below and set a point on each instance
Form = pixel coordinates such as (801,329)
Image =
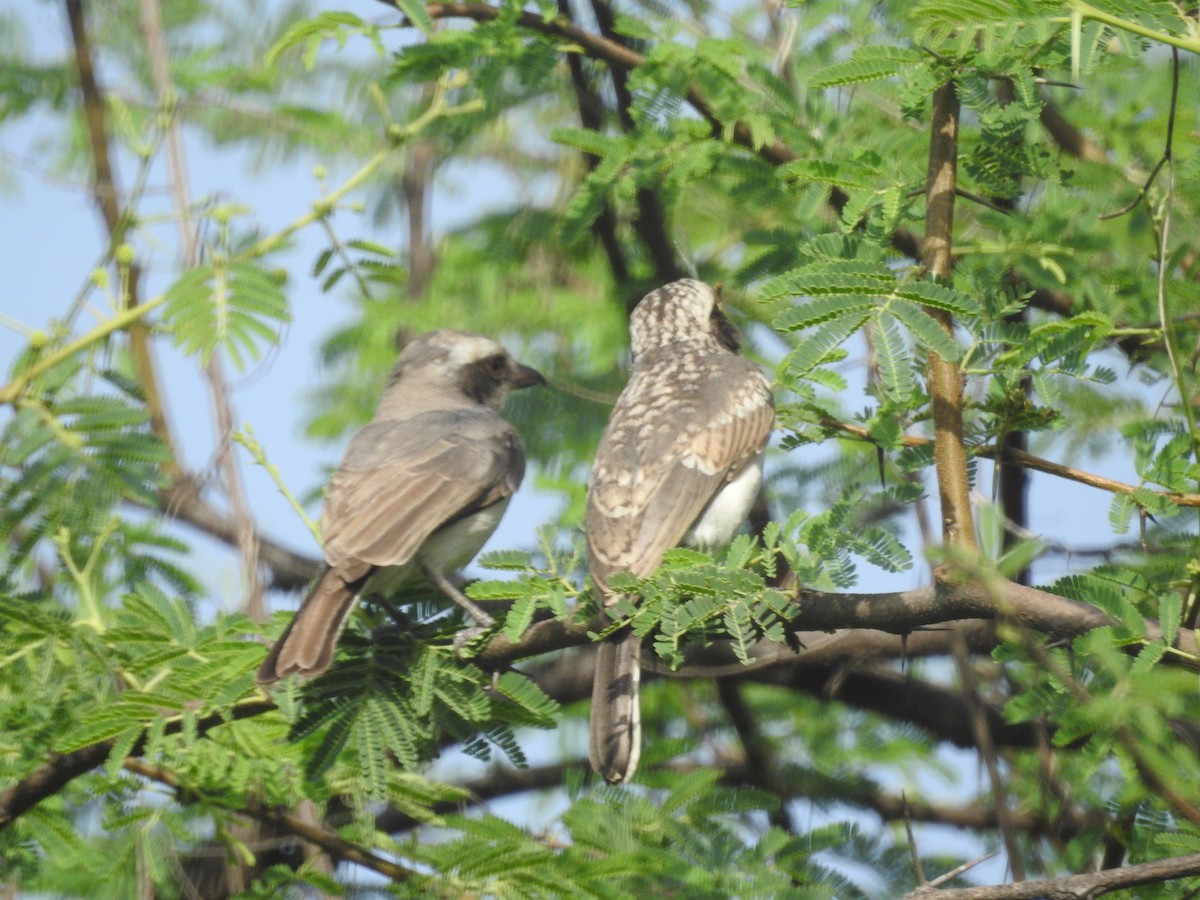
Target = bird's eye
(496,366)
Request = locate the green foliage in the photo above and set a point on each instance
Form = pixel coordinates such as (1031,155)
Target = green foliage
(841,297)
(395,699)
(866,64)
(684,837)
(231,305)
(786,157)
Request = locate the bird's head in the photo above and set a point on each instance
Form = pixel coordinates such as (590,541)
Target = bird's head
(470,364)
(682,312)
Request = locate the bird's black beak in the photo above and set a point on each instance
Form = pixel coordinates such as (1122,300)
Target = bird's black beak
(724,330)
(523,376)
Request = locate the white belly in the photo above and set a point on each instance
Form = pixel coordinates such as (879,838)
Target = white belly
(726,512)
(450,548)
(446,551)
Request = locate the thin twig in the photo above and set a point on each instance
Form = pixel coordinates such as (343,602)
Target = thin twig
(153,37)
(965,867)
(337,847)
(1029,461)
(918,869)
(987,752)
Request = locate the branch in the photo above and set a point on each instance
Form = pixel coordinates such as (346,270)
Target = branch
(1073,887)
(903,611)
(760,767)
(1027,460)
(502,781)
(977,715)
(591,116)
(335,846)
(290,571)
(150,19)
(50,778)
(651,220)
(945,378)
(1087,11)
(117,222)
(497,783)
(868,615)
(896,612)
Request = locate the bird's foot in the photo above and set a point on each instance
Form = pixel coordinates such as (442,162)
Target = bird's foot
(447,587)
(465,636)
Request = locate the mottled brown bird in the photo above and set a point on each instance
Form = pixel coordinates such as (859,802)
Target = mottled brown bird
(418,492)
(680,463)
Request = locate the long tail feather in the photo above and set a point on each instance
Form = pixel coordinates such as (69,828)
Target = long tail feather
(615,727)
(306,645)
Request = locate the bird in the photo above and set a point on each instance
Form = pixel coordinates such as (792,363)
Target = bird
(417,493)
(679,463)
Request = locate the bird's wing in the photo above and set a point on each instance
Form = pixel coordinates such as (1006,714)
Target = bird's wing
(402,480)
(682,428)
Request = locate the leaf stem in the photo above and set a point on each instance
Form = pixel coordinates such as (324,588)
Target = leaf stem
(247,439)
(1087,11)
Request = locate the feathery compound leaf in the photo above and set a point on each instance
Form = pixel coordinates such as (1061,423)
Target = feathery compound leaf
(893,359)
(866,64)
(236,306)
(336,26)
(939,296)
(823,309)
(928,332)
(978,12)
(740,627)
(825,342)
(538,709)
(1170,614)
(821,171)
(589,200)
(588,141)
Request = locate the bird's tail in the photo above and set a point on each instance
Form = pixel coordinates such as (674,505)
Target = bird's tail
(615,727)
(306,645)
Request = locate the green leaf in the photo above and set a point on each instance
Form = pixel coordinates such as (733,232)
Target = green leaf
(865,64)
(1170,615)
(417,14)
(310,32)
(929,333)
(236,306)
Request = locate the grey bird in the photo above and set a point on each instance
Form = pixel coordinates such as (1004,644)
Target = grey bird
(679,463)
(417,494)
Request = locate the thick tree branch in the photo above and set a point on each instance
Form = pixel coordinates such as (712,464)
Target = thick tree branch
(898,613)
(290,571)
(1073,887)
(866,615)
(945,378)
(502,781)
(1026,607)
(50,778)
